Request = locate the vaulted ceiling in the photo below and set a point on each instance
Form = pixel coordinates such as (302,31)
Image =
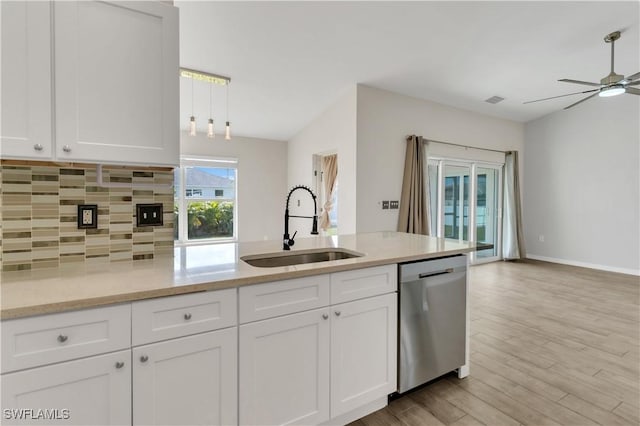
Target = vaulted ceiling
(288,61)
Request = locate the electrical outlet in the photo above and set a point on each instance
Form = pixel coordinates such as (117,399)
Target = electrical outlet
(385,205)
(87,216)
(394,204)
(541,238)
(149,214)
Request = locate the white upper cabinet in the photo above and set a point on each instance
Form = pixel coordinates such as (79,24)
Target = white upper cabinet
(116,82)
(90,81)
(25,123)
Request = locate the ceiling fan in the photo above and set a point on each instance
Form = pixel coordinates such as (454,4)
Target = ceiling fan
(611,85)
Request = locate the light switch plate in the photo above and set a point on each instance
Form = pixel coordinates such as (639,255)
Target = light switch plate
(394,204)
(385,205)
(87,216)
(149,214)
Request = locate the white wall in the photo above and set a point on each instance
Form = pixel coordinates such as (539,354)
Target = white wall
(333,131)
(262,180)
(384,121)
(582,189)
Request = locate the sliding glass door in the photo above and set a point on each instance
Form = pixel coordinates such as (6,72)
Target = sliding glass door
(465,203)
(487,208)
(456,202)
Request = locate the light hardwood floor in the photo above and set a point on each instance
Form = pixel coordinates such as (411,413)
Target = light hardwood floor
(550,345)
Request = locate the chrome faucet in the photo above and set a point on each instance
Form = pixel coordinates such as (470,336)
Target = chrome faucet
(287,241)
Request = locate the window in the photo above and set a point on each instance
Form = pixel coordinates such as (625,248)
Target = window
(205,200)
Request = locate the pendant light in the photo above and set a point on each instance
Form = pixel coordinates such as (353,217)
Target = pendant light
(227,130)
(210,132)
(192,120)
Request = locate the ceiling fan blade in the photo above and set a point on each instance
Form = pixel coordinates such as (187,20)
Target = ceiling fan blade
(633,77)
(633,83)
(580,101)
(562,96)
(633,90)
(586,83)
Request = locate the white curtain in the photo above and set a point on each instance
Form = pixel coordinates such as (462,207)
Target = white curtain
(414,215)
(512,236)
(329,175)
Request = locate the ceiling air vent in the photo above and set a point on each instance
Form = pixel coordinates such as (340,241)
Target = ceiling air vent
(494,99)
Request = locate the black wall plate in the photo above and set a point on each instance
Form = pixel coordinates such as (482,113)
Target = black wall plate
(87,216)
(149,214)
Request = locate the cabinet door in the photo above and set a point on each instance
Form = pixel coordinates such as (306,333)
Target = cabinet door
(26,80)
(363,352)
(116,82)
(284,369)
(88,391)
(187,381)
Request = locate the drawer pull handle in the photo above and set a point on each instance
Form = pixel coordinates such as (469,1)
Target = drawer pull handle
(337,313)
(62,338)
(38,147)
(119,364)
(187,317)
(144,358)
(325,316)
(66,148)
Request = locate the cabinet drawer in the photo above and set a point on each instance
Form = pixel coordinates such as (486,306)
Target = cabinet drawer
(360,283)
(175,316)
(269,300)
(46,339)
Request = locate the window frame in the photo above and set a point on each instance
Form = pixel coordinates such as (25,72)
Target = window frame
(182,200)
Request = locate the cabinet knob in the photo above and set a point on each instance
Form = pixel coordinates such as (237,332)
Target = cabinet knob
(66,148)
(325,316)
(144,358)
(38,147)
(62,338)
(119,364)
(337,313)
(187,317)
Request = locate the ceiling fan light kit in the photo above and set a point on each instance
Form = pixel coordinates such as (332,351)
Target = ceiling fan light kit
(616,90)
(611,85)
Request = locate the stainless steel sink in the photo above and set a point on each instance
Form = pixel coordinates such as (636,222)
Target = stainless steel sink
(271,260)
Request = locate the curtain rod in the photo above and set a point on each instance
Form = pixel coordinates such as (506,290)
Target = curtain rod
(465,146)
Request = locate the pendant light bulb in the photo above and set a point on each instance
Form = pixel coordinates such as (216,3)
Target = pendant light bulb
(227,130)
(192,126)
(210,133)
(192,120)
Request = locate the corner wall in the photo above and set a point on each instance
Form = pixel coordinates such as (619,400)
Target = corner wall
(385,119)
(582,192)
(262,180)
(333,131)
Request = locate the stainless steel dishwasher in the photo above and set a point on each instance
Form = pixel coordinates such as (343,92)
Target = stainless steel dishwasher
(432,314)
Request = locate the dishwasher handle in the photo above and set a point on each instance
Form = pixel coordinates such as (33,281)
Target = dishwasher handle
(433,274)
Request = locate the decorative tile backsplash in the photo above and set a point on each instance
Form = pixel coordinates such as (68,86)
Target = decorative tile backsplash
(39,227)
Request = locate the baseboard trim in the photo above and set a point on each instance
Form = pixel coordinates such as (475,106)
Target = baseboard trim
(627,271)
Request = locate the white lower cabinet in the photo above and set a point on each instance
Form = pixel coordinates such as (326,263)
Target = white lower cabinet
(187,381)
(284,369)
(88,391)
(310,367)
(363,352)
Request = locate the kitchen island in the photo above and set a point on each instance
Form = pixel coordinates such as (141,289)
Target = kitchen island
(309,343)
(200,268)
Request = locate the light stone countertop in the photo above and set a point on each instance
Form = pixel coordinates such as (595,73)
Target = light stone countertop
(200,268)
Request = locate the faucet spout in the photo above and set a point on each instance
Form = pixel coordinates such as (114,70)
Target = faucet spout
(288,241)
